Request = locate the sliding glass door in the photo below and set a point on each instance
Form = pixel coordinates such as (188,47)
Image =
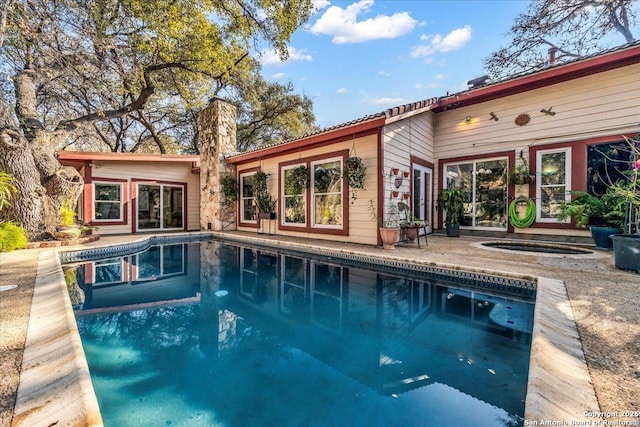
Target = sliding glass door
(160,207)
(484,181)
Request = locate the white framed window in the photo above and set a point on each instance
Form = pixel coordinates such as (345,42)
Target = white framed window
(326,193)
(247,201)
(294,205)
(107,201)
(554,184)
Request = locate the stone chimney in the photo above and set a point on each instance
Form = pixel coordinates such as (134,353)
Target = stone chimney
(217,137)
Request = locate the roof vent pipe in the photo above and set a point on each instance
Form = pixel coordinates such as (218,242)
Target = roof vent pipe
(552,55)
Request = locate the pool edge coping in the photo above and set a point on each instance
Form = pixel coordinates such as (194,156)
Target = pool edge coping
(559,386)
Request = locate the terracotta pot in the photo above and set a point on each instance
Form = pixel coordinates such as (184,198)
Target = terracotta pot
(411,233)
(389,237)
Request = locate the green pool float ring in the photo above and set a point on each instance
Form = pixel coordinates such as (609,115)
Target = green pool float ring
(529,214)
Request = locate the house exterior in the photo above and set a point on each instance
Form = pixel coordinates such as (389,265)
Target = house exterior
(553,120)
(130,193)
(564,123)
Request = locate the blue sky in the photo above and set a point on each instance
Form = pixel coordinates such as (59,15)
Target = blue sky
(360,57)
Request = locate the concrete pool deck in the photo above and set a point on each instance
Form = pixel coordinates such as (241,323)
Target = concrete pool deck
(55,385)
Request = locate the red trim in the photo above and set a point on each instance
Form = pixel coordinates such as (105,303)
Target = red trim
(309,228)
(380,204)
(578,169)
(239,210)
(320,140)
(540,79)
(134,196)
(90,204)
(511,188)
(426,164)
(110,156)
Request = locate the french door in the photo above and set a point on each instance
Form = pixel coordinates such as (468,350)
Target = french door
(422,194)
(160,207)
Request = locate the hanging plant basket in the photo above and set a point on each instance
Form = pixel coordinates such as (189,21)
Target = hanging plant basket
(354,171)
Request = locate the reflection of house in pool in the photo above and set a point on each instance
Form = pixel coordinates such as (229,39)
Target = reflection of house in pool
(158,274)
(391,333)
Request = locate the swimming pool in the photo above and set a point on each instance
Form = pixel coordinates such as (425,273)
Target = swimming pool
(218,334)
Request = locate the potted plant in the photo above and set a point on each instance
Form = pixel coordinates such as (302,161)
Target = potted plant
(520,173)
(626,247)
(389,228)
(67,227)
(411,227)
(265,202)
(603,215)
(354,171)
(452,201)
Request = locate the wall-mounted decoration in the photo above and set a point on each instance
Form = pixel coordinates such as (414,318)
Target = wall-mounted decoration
(548,111)
(522,119)
(493,116)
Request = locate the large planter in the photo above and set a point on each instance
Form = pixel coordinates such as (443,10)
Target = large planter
(67,232)
(389,237)
(602,236)
(626,251)
(453,230)
(267,215)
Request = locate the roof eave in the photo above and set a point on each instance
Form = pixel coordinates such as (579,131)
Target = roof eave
(547,77)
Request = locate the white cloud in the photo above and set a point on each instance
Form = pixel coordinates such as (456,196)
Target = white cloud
(456,39)
(386,100)
(440,76)
(279,75)
(270,57)
(318,5)
(384,73)
(342,90)
(344,26)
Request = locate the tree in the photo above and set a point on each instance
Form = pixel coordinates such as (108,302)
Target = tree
(574,27)
(269,111)
(137,51)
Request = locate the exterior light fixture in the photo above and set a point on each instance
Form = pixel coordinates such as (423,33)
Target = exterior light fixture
(468,119)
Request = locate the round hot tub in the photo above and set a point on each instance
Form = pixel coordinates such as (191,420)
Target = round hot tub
(545,248)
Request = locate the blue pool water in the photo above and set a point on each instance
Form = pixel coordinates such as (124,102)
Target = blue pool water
(214,334)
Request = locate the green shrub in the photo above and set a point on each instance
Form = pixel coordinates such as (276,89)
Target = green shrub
(12,237)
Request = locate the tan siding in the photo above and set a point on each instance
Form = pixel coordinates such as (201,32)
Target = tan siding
(165,171)
(599,105)
(362,229)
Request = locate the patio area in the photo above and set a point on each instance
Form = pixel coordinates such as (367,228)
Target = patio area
(603,300)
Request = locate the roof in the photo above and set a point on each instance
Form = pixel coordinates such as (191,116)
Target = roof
(369,122)
(602,61)
(138,157)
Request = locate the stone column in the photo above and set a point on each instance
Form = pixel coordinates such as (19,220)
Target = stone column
(217,137)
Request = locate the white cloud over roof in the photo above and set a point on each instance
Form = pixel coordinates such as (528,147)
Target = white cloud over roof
(456,39)
(343,24)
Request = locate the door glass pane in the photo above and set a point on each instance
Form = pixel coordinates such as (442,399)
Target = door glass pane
(248,203)
(553,183)
(172,206)
(461,176)
(148,206)
(418,197)
(491,194)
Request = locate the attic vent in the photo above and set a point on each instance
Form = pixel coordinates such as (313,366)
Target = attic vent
(478,81)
